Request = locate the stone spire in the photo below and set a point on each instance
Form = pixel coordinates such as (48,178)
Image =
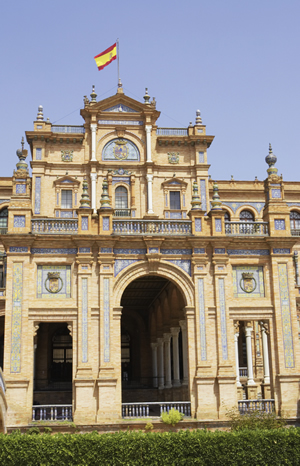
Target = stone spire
(146,97)
(196,202)
(198,118)
(85,200)
(105,201)
(40,115)
(271,159)
(216,202)
(22,166)
(93,95)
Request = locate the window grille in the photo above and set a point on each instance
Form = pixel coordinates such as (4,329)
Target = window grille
(66,199)
(175,200)
(121,198)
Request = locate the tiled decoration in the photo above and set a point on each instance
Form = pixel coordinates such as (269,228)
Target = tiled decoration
(57,251)
(248,252)
(219,250)
(120,108)
(186,252)
(198,225)
(223,319)
(37,198)
(121,122)
(281,251)
(16,324)
(84,223)
(276,193)
(43,281)
(256,282)
(120,149)
(84,250)
(153,250)
(202,319)
(20,188)
(183,264)
(84,283)
(286,316)
(279,224)
(203,195)
(18,249)
(105,223)
(175,215)
(38,153)
(66,214)
(19,221)
(218,225)
(121,264)
(106,328)
(129,251)
(106,250)
(199,250)
(236,205)
(121,179)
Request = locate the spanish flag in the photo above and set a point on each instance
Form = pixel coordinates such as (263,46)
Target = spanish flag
(106,57)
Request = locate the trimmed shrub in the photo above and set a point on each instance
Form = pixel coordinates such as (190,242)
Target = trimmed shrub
(172,417)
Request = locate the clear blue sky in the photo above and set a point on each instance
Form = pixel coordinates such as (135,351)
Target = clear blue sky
(237,61)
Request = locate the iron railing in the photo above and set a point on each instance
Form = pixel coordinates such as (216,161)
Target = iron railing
(54,226)
(247,228)
(122,212)
(152,227)
(295,232)
(3,231)
(52,413)
(172,132)
(248,406)
(154,409)
(67,129)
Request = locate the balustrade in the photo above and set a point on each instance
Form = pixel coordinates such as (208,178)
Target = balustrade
(295,232)
(152,227)
(172,132)
(54,226)
(243,371)
(122,213)
(67,129)
(52,413)
(247,228)
(154,409)
(247,406)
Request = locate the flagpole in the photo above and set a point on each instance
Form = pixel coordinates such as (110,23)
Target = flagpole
(118,51)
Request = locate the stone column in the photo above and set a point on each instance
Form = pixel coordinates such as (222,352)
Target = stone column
(237,364)
(154,364)
(93,130)
(176,372)
(265,354)
(148,142)
(167,354)
(160,360)
(248,331)
(93,196)
(149,189)
(182,324)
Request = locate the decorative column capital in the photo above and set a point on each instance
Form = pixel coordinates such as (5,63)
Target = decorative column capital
(175,331)
(182,324)
(93,127)
(148,128)
(160,341)
(154,346)
(236,337)
(149,178)
(167,337)
(93,176)
(248,331)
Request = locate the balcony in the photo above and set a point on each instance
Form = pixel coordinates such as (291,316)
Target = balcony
(154,409)
(248,406)
(3,231)
(52,413)
(67,129)
(295,232)
(247,228)
(50,226)
(122,213)
(172,132)
(152,227)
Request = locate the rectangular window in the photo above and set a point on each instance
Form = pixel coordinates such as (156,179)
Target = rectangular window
(66,199)
(174,200)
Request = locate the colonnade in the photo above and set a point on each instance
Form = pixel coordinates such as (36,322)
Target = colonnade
(248,333)
(161,358)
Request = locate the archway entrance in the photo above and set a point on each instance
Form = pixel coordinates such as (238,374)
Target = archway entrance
(153,342)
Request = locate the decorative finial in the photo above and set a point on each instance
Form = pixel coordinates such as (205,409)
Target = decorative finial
(271,159)
(191,124)
(40,115)
(120,83)
(85,100)
(48,120)
(231,179)
(93,95)
(216,202)
(153,102)
(196,202)
(85,200)
(105,201)
(146,97)
(22,154)
(198,118)
(22,143)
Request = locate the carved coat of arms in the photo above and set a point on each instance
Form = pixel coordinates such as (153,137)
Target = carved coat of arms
(248,282)
(121,150)
(53,282)
(173,157)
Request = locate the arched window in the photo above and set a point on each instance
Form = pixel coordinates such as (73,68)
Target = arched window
(246,216)
(227,216)
(295,220)
(121,202)
(3,218)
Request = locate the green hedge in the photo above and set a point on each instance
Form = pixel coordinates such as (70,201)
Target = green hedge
(276,447)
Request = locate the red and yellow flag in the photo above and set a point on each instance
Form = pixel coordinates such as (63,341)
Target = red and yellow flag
(106,57)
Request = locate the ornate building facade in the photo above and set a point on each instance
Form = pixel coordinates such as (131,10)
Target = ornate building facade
(130,282)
